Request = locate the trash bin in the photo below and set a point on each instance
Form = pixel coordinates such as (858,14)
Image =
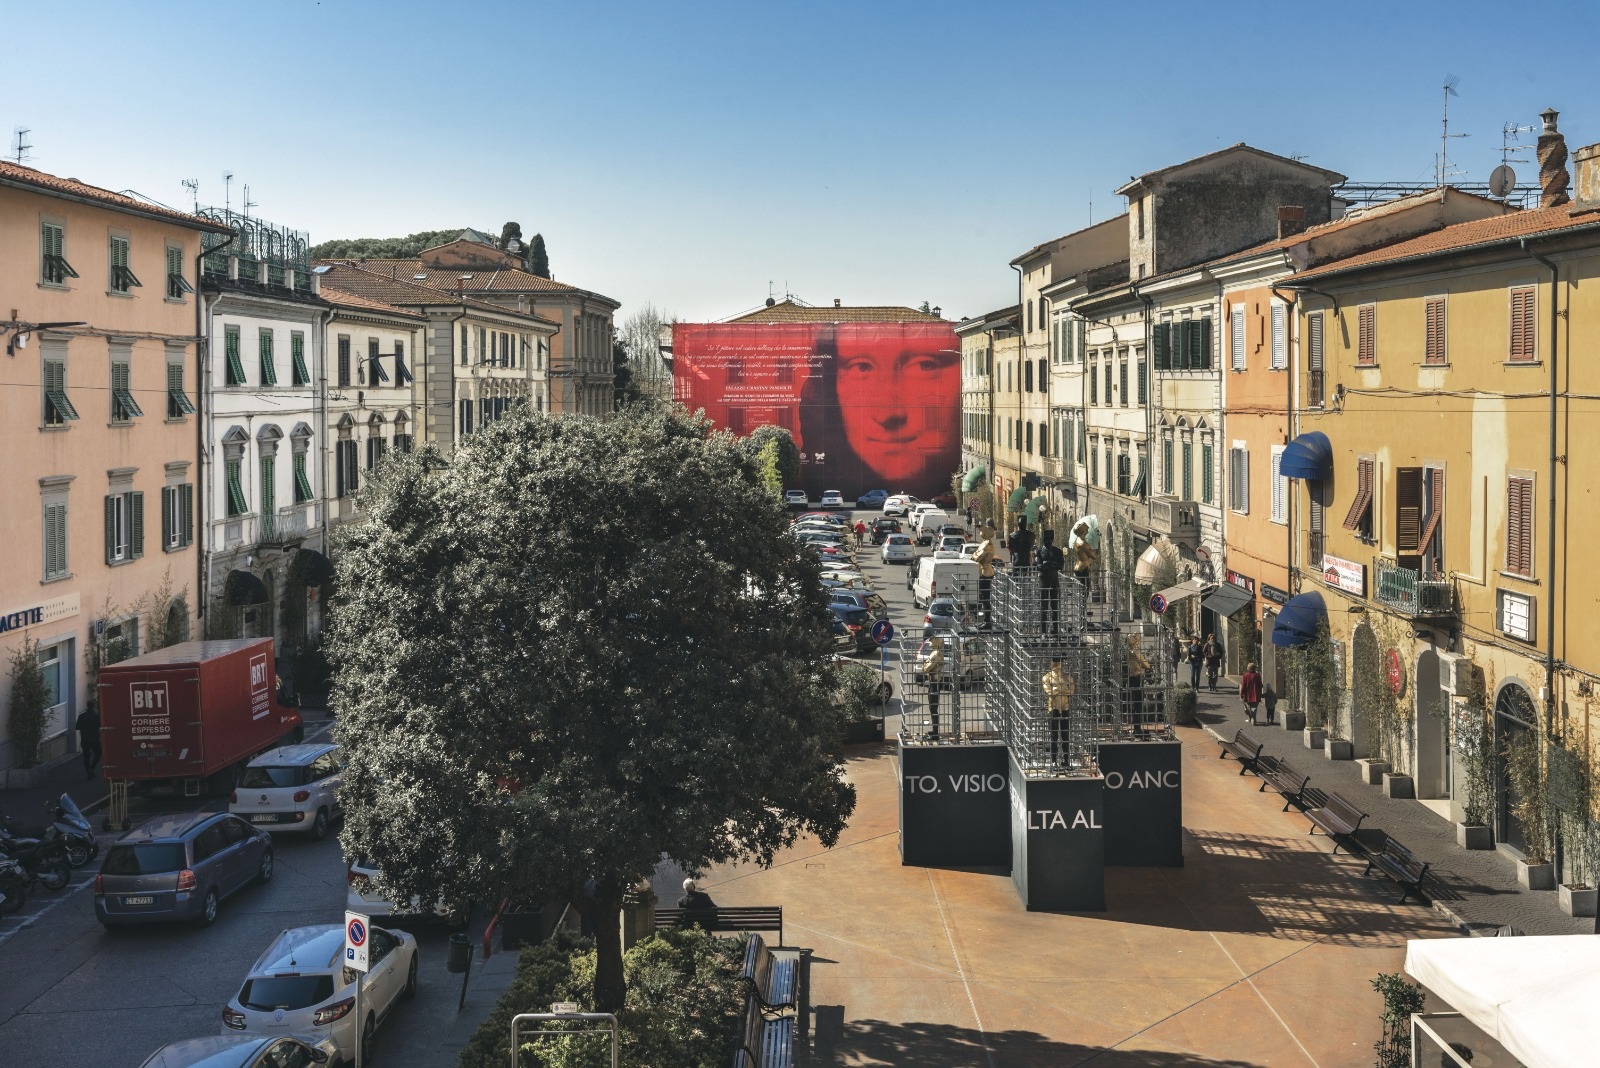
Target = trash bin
(460,954)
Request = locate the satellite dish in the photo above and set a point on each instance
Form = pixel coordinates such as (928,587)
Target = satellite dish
(1502,181)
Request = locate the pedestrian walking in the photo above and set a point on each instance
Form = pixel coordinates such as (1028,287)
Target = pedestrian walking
(1213,653)
(89,740)
(1250,691)
(1197,657)
(1269,697)
(861,531)
(1177,654)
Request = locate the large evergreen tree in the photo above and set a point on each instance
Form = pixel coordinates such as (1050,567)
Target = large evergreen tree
(572,648)
(538,258)
(788,451)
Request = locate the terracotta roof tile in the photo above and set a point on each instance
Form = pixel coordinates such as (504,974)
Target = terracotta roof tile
(499,279)
(789,311)
(1462,237)
(345,299)
(17,174)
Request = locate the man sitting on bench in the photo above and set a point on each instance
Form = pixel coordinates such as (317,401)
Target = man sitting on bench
(698,908)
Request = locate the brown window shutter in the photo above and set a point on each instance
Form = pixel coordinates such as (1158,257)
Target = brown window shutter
(1519,526)
(1314,384)
(1524,336)
(1408,517)
(1366,343)
(1430,529)
(1433,351)
(1363,501)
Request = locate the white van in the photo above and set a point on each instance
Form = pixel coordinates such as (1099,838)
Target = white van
(927,523)
(936,577)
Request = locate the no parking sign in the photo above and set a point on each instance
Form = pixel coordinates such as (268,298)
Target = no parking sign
(1158,604)
(355,941)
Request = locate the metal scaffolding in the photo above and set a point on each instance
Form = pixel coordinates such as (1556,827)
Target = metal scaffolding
(1052,676)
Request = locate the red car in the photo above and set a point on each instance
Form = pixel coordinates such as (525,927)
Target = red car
(945,500)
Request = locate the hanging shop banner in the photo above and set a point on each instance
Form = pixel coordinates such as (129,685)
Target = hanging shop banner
(871,405)
(1346,575)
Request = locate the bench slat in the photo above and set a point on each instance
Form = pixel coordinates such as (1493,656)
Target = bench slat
(1401,866)
(1339,820)
(1245,749)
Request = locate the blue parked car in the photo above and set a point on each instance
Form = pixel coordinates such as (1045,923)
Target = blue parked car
(872,498)
(180,868)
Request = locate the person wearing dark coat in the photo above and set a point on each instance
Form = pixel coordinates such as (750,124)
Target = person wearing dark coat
(1049,559)
(1021,545)
(89,740)
(698,908)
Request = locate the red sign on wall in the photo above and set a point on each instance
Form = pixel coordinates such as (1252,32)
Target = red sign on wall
(1394,671)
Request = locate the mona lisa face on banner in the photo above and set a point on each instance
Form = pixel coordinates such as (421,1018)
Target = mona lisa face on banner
(894,395)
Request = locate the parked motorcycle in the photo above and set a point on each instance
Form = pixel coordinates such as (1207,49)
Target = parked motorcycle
(70,825)
(13,886)
(43,862)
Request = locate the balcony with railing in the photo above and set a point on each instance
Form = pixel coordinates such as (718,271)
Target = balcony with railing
(1405,591)
(287,525)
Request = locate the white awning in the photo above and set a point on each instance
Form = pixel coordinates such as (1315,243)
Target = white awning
(1186,588)
(1535,995)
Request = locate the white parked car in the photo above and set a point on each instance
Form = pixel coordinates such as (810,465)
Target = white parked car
(244,1051)
(362,896)
(832,499)
(899,504)
(796,499)
(897,549)
(970,548)
(300,986)
(291,788)
(951,543)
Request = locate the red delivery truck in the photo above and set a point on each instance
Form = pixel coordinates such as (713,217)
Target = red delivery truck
(193,712)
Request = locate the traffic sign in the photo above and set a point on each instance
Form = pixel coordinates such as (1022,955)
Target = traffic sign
(355,940)
(883,632)
(1158,604)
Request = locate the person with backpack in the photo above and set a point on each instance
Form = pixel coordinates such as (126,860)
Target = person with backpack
(1213,655)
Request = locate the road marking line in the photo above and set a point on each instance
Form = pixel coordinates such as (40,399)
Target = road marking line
(961,972)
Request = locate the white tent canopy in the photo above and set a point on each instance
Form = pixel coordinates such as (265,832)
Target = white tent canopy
(1535,995)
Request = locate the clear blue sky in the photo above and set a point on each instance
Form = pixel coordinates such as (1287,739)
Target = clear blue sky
(689,154)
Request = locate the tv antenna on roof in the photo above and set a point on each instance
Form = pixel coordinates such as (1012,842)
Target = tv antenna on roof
(20,148)
(248,203)
(227,191)
(1450,83)
(193,186)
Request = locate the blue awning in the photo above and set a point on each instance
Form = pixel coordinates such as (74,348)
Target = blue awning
(1296,624)
(1308,456)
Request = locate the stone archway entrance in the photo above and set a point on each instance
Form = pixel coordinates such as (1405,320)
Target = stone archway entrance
(1432,744)
(1363,665)
(1514,715)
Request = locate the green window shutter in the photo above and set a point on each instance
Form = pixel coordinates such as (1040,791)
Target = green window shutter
(55,532)
(235,374)
(269,373)
(58,408)
(177,399)
(236,501)
(1166,466)
(1158,345)
(1204,346)
(1144,389)
(186,511)
(1207,476)
(123,406)
(1188,470)
(136,522)
(168,494)
(302,482)
(111,529)
(297,354)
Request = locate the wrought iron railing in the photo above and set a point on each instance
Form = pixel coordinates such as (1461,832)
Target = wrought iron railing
(1407,592)
(288,524)
(265,252)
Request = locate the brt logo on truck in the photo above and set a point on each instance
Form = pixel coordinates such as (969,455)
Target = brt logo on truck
(260,687)
(149,714)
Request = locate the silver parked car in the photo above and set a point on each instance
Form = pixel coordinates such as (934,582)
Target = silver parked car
(244,1051)
(292,788)
(179,868)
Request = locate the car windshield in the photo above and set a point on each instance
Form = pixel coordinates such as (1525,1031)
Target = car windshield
(152,859)
(941,607)
(264,778)
(850,615)
(286,992)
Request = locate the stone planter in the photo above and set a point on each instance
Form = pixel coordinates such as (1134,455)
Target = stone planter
(1536,876)
(1314,738)
(1578,900)
(1372,770)
(1397,785)
(1339,749)
(1474,836)
(1294,721)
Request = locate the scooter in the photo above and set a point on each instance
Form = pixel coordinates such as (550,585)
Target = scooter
(13,886)
(43,862)
(70,825)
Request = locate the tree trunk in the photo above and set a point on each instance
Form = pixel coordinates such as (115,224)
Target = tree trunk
(609,986)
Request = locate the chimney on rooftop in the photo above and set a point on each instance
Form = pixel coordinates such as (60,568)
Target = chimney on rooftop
(1291,220)
(835,302)
(1553,178)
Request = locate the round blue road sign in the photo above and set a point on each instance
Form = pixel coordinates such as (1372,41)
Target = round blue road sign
(883,632)
(1158,604)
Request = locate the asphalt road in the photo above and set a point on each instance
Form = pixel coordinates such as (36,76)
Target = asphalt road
(72,993)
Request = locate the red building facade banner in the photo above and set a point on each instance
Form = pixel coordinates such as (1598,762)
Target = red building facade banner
(873,405)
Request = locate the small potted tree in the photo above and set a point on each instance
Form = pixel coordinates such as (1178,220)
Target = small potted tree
(30,702)
(858,696)
(1532,811)
(1571,798)
(1400,999)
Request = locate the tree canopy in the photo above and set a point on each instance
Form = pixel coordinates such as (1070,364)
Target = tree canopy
(788,451)
(571,648)
(383,248)
(538,258)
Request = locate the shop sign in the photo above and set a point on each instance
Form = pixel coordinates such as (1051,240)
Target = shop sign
(36,615)
(1244,582)
(1394,672)
(1273,594)
(1346,575)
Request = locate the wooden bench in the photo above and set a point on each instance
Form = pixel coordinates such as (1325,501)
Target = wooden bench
(1400,865)
(1339,820)
(1282,777)
(773,977)
(765,1043)
(1245,749)
(733,918)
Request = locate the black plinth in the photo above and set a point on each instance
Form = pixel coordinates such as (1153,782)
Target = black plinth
(1144,803)
(954,808)
(1058,843)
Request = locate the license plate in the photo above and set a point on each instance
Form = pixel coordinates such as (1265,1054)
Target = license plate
(146,900)
(264,817)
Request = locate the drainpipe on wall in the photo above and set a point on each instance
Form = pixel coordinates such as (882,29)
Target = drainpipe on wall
(1554,460)
(202,353)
